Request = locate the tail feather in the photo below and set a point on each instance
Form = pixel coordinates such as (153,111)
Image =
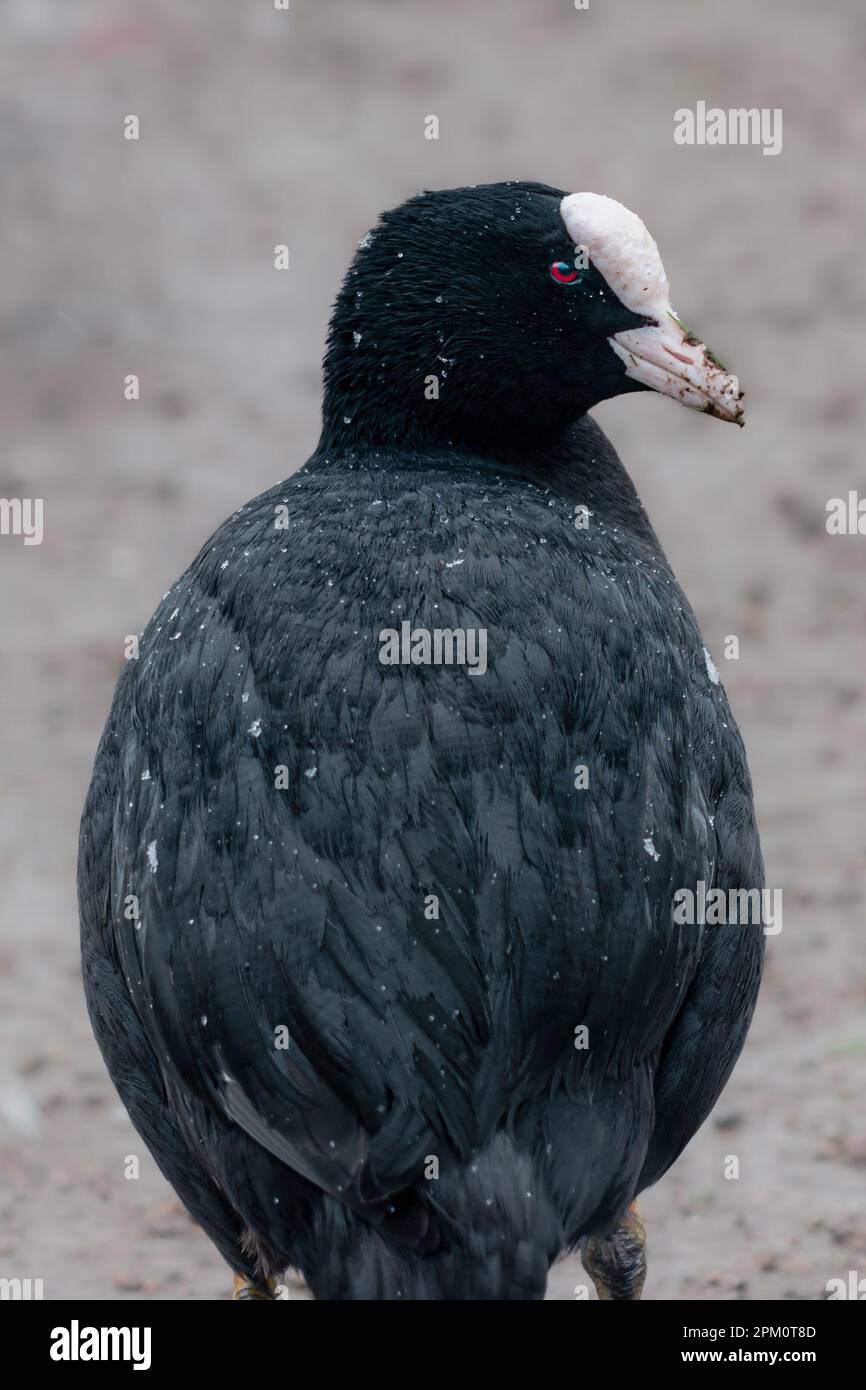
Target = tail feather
(492,1233)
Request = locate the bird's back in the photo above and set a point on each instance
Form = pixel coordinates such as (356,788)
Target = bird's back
(405,951)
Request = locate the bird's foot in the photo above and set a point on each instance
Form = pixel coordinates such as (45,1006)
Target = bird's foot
(616,1263)
(244,1288)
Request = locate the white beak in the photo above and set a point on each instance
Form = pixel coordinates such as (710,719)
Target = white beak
(670,359)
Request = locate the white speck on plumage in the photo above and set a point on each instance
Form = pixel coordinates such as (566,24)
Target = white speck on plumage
(712,669)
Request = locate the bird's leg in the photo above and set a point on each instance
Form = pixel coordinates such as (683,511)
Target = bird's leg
(616,1263)
(244,1288)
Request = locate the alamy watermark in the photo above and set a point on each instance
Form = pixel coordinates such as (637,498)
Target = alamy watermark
(21,1290)
(846,516)
(77,1343)
(854,1287)
(717,907)
(22,516)
(737,126)
(438,646)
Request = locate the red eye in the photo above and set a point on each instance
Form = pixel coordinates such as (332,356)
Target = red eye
(563,273)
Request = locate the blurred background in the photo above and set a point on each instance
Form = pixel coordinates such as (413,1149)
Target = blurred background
(156,257)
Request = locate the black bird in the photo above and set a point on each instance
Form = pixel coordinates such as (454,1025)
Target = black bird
(379,860)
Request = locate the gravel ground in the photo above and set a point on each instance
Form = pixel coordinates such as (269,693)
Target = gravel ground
(156,257)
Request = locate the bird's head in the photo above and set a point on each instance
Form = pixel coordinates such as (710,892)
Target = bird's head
(499,314)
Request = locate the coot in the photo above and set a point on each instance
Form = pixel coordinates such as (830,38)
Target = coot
(378,862)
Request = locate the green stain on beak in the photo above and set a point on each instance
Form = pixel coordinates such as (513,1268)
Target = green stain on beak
(693,338)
